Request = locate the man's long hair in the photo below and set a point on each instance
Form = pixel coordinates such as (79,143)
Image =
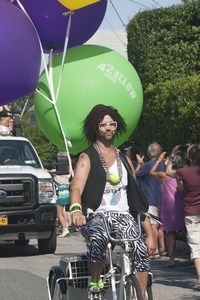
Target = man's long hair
(91,122)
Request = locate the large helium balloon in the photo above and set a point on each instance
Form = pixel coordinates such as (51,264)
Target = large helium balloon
(50,21)
(92,75)
(20,54)
(72,5)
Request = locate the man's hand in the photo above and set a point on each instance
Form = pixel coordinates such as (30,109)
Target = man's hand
(151,244)
(150,236)
(78,219)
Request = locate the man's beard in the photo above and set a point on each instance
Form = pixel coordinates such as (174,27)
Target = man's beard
(101,136)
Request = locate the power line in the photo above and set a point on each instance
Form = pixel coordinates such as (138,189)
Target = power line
(115,32)
(139,4)
(117,14)
(157,3)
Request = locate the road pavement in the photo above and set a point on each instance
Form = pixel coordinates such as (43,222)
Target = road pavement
(23,271)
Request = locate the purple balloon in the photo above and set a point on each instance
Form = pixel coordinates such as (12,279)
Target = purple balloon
(51,24)
(20,54)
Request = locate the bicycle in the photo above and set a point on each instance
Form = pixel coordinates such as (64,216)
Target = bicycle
(120,281)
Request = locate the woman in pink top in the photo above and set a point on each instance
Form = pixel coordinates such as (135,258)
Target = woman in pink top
(188,179)
(171,206)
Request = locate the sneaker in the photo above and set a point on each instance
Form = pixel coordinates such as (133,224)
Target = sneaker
(64,233)
(99,284)
(94,293)
(197,287)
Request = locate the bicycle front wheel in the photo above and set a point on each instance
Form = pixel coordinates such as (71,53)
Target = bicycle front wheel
(132,288)
(58,288)
(149,293)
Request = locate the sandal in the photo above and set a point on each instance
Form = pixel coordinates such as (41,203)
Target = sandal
(163,253)
(197,287)
(155,256)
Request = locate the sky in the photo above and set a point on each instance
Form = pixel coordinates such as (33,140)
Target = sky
(119,12)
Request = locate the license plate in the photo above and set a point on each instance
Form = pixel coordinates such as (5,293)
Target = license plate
(3,221)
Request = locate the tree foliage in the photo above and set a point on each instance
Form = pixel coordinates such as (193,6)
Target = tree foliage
(164,48)
(45,149)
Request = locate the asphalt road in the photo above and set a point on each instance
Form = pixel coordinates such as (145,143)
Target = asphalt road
(23,272)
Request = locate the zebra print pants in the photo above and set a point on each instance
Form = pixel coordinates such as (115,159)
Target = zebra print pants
(122,226)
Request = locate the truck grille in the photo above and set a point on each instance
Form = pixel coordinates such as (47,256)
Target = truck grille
(21,193)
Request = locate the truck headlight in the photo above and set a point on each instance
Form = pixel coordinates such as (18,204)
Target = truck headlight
(46,191)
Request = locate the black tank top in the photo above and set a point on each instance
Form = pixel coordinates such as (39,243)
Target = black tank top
(5,113)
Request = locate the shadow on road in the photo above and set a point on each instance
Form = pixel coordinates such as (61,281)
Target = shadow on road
(9,249)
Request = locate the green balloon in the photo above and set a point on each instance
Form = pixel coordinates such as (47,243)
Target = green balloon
(92,75)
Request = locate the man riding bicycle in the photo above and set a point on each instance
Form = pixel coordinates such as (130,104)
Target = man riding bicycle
(104,180)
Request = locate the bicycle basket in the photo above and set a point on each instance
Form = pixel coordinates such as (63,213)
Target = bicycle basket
(76,269)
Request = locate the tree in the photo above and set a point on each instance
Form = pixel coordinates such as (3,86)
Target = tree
(163,46)
(46,150)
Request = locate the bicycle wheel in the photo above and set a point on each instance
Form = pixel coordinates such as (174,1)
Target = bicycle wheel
(149,292)
(58,289)
(132,288)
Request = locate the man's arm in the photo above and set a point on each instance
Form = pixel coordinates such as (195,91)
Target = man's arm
(150,236)
(158,174)
(77,186)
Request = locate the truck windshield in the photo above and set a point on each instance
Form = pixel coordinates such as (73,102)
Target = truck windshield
(18,153)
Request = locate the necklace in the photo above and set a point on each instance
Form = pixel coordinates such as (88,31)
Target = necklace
(112,178)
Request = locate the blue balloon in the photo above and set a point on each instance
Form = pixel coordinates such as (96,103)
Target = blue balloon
(20,54)
(51,23)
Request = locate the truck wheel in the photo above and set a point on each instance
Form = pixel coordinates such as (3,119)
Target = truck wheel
(48,246)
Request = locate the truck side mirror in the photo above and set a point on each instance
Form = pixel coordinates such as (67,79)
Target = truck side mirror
(62,165)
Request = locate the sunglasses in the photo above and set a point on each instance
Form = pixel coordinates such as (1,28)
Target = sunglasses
(112,125)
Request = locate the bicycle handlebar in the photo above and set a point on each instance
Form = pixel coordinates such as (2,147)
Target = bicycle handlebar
(91,214)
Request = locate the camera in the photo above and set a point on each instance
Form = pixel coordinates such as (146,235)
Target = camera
(183,147)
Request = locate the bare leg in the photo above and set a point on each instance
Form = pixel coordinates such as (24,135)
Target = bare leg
(96,269)
(161,240)
(142,278)
(197,267)
(171,246)
(60,216)
(155,230)
(68,218)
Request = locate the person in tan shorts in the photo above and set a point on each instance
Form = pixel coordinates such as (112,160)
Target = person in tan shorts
(6,120)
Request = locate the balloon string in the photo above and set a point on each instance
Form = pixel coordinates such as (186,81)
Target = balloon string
(54,100)
(67,142)
(38,91)
(64,52)
(40,44)
(51,83)
(49,76)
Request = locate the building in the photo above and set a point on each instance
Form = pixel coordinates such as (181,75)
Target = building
(113,39)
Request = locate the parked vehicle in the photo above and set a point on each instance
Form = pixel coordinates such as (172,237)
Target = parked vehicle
(27,196)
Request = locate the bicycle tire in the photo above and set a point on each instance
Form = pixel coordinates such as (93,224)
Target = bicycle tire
(132,288)
(149,293)
(58,290)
